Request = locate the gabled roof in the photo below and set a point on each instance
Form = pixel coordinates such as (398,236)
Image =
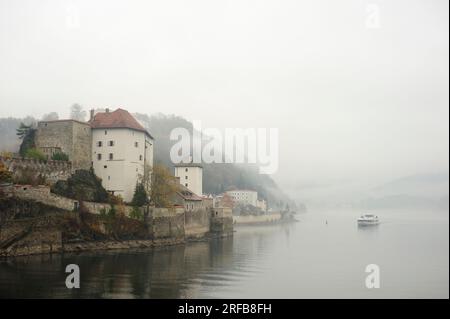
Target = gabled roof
(187,194)
(119,118)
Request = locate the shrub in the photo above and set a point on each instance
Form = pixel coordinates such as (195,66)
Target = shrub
(103,212)
(34,153)
(82,185)
(60,156)
(112,212)
(136,213)
(28,177)
(7,155)
(5,174)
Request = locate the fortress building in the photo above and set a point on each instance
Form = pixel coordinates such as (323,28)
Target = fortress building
(66,136)
(114,144)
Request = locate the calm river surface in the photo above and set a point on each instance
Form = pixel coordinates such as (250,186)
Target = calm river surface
(308,259)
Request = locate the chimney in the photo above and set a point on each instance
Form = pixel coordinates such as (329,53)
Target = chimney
(107,110)
(91,116)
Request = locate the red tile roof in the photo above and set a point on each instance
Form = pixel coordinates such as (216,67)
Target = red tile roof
(117,119)
(187,194)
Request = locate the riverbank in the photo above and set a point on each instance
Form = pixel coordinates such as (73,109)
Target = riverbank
(102,245)
(29,227)
(266,219)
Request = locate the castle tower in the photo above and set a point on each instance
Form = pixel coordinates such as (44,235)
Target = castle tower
(190,176)
(121,150)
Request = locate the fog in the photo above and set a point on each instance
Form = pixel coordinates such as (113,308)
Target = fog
(358,89)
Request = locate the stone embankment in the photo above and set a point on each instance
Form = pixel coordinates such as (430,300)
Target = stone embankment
(257,219)
(34,221)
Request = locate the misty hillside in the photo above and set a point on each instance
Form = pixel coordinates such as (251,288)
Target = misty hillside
(415,191)
(216,177)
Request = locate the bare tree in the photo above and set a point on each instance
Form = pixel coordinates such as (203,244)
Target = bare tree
(52,116)
(77,113)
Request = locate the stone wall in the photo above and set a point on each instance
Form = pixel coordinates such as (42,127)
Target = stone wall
(82,146)
(163,226)
(52,171)
(40,194)
(257,219)
(43,195)
(68,136)
(167,223)
(221,221)
(196,223)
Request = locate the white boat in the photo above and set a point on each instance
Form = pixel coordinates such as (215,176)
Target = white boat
(368,220)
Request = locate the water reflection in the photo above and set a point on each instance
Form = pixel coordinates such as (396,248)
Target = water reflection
(308,259)
(166,272)
(158,273)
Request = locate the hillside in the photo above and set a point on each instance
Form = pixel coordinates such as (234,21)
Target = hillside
(216,177)
(416,191)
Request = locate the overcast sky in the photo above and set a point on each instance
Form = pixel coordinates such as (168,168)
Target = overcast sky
(353,101)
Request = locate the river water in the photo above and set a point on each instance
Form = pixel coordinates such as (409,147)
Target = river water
(307,259)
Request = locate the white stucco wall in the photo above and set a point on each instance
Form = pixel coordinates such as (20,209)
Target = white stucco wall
(244,196)
(191,177)
(120,174)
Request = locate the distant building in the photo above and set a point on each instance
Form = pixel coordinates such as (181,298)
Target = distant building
(243,196)
(261,204)
(186,198)
(191,176)
(208,201)
(121,150)
(224,200)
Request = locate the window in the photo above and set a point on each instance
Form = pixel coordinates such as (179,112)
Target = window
(186,185)
(106,132)
(99,143)
(109,178)
(186,169)
(111,143)
(111,156)
(185,177)
(140,157)
(105,166)
(99,156)
(136,144)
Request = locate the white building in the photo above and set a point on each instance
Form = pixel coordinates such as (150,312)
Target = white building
(244,196)
(191,176)
(121,148)
(261,204)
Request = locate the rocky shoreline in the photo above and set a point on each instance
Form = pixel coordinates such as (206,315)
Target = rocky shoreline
(100,245)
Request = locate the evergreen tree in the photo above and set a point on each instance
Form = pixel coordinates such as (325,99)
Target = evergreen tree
(140,197)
